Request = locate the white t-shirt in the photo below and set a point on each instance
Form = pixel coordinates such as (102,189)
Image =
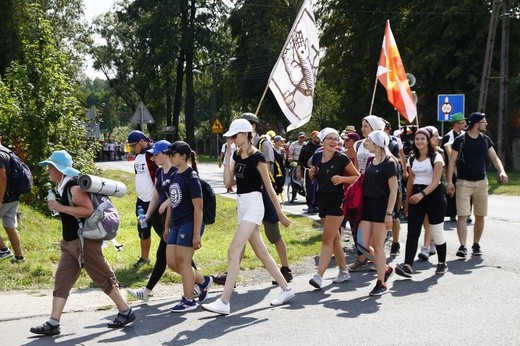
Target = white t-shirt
(144,184)
(295,149)
(423,170)
(223,151)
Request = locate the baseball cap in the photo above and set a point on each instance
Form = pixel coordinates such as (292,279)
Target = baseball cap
(278,138)
(135,136)
(457,117)
(159,147)
(301,134)
(353,135)
(473,119)
(250,117)
(180,147)
(239,125)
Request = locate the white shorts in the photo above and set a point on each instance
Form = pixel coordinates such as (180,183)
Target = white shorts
(250,207)
(8,214)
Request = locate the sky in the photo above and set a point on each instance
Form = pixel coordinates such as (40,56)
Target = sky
(93,8)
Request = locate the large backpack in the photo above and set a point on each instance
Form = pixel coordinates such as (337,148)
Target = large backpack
(209,202)
(354,201)
(19,176)
(278,177)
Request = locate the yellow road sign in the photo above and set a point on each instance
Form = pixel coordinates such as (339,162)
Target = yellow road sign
(217,127)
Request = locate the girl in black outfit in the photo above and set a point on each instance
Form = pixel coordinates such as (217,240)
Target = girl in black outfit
(424,196)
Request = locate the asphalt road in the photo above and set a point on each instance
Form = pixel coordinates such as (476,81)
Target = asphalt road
(475,303)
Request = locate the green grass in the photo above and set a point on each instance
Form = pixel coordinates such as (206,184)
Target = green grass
(40,235)
(512,188)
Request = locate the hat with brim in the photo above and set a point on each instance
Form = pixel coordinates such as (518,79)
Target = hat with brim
(179,147)
(159,147)
(278,138)
(62,161)
(237,126)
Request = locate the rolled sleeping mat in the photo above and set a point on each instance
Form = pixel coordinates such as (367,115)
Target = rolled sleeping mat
(94,184)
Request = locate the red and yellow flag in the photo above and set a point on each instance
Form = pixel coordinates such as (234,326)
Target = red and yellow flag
(391,73)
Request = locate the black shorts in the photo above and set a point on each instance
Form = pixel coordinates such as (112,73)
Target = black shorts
(375,209)
(330,203)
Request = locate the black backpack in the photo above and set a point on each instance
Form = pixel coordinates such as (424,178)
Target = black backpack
(19,176)
(209,202)
(443,180)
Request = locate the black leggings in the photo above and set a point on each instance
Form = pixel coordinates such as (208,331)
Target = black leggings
(433,205)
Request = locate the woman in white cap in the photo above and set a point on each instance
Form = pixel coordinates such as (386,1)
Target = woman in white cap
(332,169)
(249,171)
(79,206)
(424,197)
(380,191)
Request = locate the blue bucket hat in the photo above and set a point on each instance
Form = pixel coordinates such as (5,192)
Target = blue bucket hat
(159,147)
(62,161)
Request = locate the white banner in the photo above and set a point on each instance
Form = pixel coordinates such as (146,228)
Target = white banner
(293,78)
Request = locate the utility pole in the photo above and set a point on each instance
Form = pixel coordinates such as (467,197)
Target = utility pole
(502,140)
(488,57)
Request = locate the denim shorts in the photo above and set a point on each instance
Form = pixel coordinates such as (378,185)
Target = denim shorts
(250,207)
(182,235)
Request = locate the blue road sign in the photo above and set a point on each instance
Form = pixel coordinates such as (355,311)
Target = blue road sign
(448,104)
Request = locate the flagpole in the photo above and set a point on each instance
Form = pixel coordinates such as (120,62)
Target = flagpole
(280,56)
(373,97)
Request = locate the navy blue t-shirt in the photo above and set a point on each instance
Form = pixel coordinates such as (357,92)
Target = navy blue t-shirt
(471,163)
(162,182)
(184,187)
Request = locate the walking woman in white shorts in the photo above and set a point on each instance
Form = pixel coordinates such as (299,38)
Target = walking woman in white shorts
(249,171)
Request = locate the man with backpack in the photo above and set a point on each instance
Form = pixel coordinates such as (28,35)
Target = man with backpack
(9,201)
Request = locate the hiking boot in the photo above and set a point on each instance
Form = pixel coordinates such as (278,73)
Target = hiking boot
(379,289)
(424,254)
(462,252)
(316,281)
(476,250)
(358,265)
(287,274)
(5,254)
(441,268)
(204,288)
(283,297)
(141,262)
(433,249)
(404,270)
(184,305)
(218,307)
(343,276)
(46,329)
(388,273)
(395,249)
(141,293)
(122,320)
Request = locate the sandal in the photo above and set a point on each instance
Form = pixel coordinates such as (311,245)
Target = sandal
(46,329)
(122,320)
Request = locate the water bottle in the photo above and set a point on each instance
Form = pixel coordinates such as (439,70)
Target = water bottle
(141,217)
(52,197)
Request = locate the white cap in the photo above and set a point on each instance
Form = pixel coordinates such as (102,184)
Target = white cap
(238,125)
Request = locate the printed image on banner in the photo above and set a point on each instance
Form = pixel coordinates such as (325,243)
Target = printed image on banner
(293,78)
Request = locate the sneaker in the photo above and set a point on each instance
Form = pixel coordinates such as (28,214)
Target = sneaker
(140,262)
(394,250)
(196,290)
(462,252)
(46,329)
(425,253)
(441,268)
(283,297)
(122,320)
(372,267)
(220,279)
(343,276)
(476,250)
(17,260)
(379,289)
(388,273)
(316,281)
(403,270)
(469,221)
(141,293)
(287,274)
(184,305)
(433,249)
(218,307)
(204,288)
(358,265)
(5,254)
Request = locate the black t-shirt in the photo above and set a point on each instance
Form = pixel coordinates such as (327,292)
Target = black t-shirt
(69,223)
(246,173)
(335,166)
(376,179)
(307,152)
(471,163)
